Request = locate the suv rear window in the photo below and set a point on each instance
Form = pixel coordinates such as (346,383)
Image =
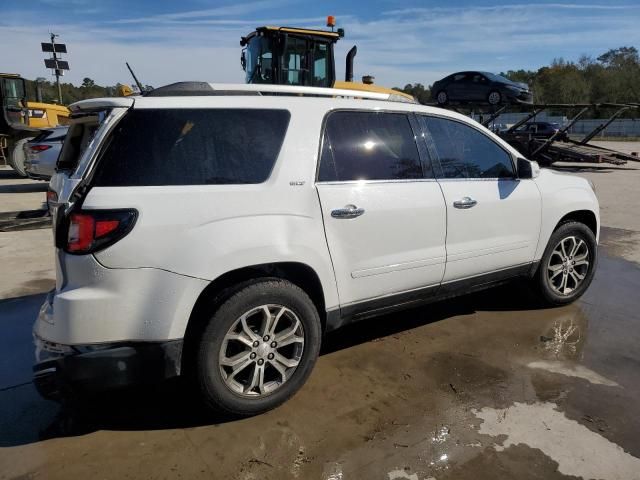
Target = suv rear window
(192,147)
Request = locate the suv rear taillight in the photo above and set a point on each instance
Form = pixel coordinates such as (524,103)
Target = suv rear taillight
(39,148)
(91,230)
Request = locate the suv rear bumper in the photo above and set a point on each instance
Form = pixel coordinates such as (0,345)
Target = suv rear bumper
(62,369)
(97,305)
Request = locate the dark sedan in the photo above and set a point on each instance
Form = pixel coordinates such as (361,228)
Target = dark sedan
(542,130)
(479,87)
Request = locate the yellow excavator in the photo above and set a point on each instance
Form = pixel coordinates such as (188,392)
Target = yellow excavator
(302,57)
(21,120)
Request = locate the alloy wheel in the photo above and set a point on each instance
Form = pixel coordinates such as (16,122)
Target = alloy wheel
(261,350)
(494,98)
(568,265)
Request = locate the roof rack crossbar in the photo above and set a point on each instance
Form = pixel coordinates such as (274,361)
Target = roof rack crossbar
(204,88)
(301,90)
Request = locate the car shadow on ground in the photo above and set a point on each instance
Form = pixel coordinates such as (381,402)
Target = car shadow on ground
(173,404)
(24,187)
(7,173)
(593,168)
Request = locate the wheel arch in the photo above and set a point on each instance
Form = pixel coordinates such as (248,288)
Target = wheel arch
(587,217)
(218,290)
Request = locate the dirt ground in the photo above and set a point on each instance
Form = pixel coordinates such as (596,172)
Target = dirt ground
(483,386)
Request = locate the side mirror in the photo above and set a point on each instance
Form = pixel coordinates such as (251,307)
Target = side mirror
(243,60)
(527,169)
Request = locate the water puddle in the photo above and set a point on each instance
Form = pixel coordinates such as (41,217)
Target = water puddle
(577,450)
(564,338)
(578,371)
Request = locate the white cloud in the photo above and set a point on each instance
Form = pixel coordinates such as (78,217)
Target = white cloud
(238,8)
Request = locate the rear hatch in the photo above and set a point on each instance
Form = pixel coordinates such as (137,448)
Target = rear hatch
(91,122)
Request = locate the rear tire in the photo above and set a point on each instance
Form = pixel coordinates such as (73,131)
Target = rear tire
(17,156)
(258,348)
(568,264)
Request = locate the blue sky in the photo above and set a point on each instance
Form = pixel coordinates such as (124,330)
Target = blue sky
(398,42)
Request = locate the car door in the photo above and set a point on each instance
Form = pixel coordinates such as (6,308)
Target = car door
(493,218)
(479,87)
(384,213)
(458,88)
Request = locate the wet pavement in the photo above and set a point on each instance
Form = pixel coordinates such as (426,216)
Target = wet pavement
(484,386)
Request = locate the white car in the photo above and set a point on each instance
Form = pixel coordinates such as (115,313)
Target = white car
(219,231)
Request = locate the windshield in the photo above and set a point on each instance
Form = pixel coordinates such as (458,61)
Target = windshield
(259,57)
(498,78)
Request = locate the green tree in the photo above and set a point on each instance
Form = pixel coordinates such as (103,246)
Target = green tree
(88,83)
(423,95)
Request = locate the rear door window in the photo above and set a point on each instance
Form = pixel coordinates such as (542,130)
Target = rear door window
(369,146)
(465,152)
(192,147)
(81,131)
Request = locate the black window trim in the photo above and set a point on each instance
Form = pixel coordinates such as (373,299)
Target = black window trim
(423,154)
(437,157)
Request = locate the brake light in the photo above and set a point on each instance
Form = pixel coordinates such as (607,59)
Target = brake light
(81,232)
(39,148)
(90,231)
(51,196)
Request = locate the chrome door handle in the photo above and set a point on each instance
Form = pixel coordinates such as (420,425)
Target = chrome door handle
(349,211)
(465,202)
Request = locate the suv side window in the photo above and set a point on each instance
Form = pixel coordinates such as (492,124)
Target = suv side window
(465,152)
(368,146)
(192,147)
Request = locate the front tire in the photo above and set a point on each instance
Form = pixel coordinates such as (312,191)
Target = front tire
(442,98)
(258,348)
(568,264)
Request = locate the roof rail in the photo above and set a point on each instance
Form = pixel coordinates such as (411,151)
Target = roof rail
(241,89)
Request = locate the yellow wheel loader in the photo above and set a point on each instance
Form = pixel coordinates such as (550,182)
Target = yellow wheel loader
(21,120)
(302,57)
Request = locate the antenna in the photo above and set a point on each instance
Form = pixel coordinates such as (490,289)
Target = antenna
(135,79)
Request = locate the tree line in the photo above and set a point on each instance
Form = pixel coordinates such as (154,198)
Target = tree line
(613,77)
(71,93)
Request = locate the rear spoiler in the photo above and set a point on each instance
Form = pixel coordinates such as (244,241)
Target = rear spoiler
(101,104)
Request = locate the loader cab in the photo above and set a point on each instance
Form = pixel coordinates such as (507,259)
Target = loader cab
(290,56)
(13,102)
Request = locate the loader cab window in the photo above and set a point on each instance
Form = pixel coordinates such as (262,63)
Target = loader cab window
(14,100)
(259,61)
(296,62)
(307,62)
(320,65)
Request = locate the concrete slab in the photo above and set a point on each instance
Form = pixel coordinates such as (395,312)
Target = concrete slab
(484,386)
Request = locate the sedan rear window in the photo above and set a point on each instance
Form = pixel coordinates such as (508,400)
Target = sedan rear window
(192,147)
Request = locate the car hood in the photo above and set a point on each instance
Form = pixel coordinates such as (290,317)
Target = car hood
(521,85)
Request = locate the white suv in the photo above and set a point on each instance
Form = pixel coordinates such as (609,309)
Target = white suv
(219,232)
